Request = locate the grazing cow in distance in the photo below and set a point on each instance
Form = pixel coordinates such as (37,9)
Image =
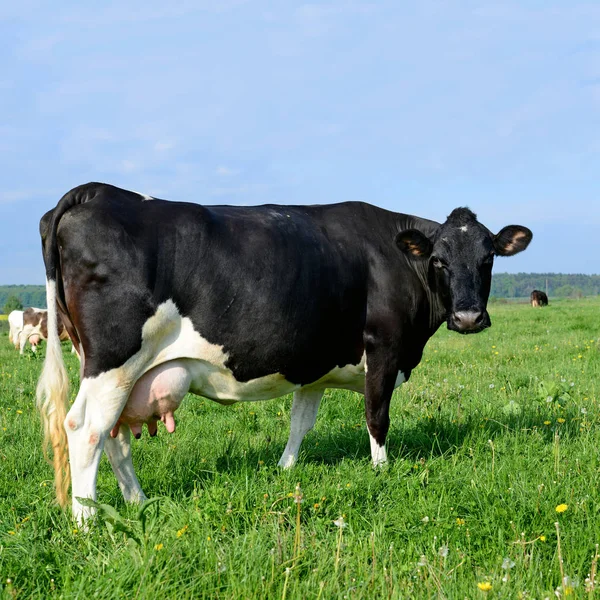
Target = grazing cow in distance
(15,324)
(539,298)
(35,328)
(238,304)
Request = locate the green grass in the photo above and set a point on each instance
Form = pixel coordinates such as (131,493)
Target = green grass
(492,432)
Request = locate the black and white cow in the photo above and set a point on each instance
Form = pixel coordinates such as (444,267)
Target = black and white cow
(238,304)
(15,324)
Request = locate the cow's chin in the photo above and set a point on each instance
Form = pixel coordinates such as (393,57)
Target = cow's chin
(478,329)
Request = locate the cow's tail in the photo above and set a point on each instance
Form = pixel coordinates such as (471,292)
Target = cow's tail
(53,385)
(53,403)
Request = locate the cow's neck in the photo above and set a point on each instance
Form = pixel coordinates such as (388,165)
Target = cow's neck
(437,313)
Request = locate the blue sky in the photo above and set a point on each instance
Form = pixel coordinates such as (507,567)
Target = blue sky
(417,107)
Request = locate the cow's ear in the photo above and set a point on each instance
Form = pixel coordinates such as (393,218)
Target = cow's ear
(512,240)
(415,243)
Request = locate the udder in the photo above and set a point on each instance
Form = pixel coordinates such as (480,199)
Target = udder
(155,397)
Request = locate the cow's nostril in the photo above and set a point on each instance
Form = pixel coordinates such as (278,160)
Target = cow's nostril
(468,320)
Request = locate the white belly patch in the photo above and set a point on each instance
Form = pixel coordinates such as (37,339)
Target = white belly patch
(175,359)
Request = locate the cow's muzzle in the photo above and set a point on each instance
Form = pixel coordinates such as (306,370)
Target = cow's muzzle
(469,321)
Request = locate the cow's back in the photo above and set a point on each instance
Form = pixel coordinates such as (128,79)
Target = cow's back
(286,286)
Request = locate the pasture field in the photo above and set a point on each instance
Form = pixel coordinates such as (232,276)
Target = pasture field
(493,432)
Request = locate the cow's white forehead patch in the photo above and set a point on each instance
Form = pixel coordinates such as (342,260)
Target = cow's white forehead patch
(464,228)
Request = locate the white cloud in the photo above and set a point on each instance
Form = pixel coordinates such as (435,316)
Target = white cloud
(226,171)
(11,196)
(145,11)
(164,146)
(317,20)
(128,166)
(245,188)
(39,49)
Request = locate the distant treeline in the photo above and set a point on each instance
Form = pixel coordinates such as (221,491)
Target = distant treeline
(29,295)
(504,285)
(560,285)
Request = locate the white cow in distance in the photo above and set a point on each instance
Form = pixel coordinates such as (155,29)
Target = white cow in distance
(35,328)
(15,323)
(30,326)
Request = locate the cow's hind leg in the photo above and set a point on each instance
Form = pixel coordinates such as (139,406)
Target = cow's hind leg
(118,451)
(88,423)
(304,414)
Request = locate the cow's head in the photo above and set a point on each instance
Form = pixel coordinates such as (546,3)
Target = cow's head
(459,258)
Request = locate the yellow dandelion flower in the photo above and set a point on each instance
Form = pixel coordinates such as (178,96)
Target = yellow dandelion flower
(547,422)
(484,586)
(182,531)
(19,412)
(11,533)
(561,508)
(460,521)
(158,547)
(542,538)
(316,505)
(561,420)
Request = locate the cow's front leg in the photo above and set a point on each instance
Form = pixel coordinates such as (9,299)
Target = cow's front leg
(304,414)
(88,425)
(379,385)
